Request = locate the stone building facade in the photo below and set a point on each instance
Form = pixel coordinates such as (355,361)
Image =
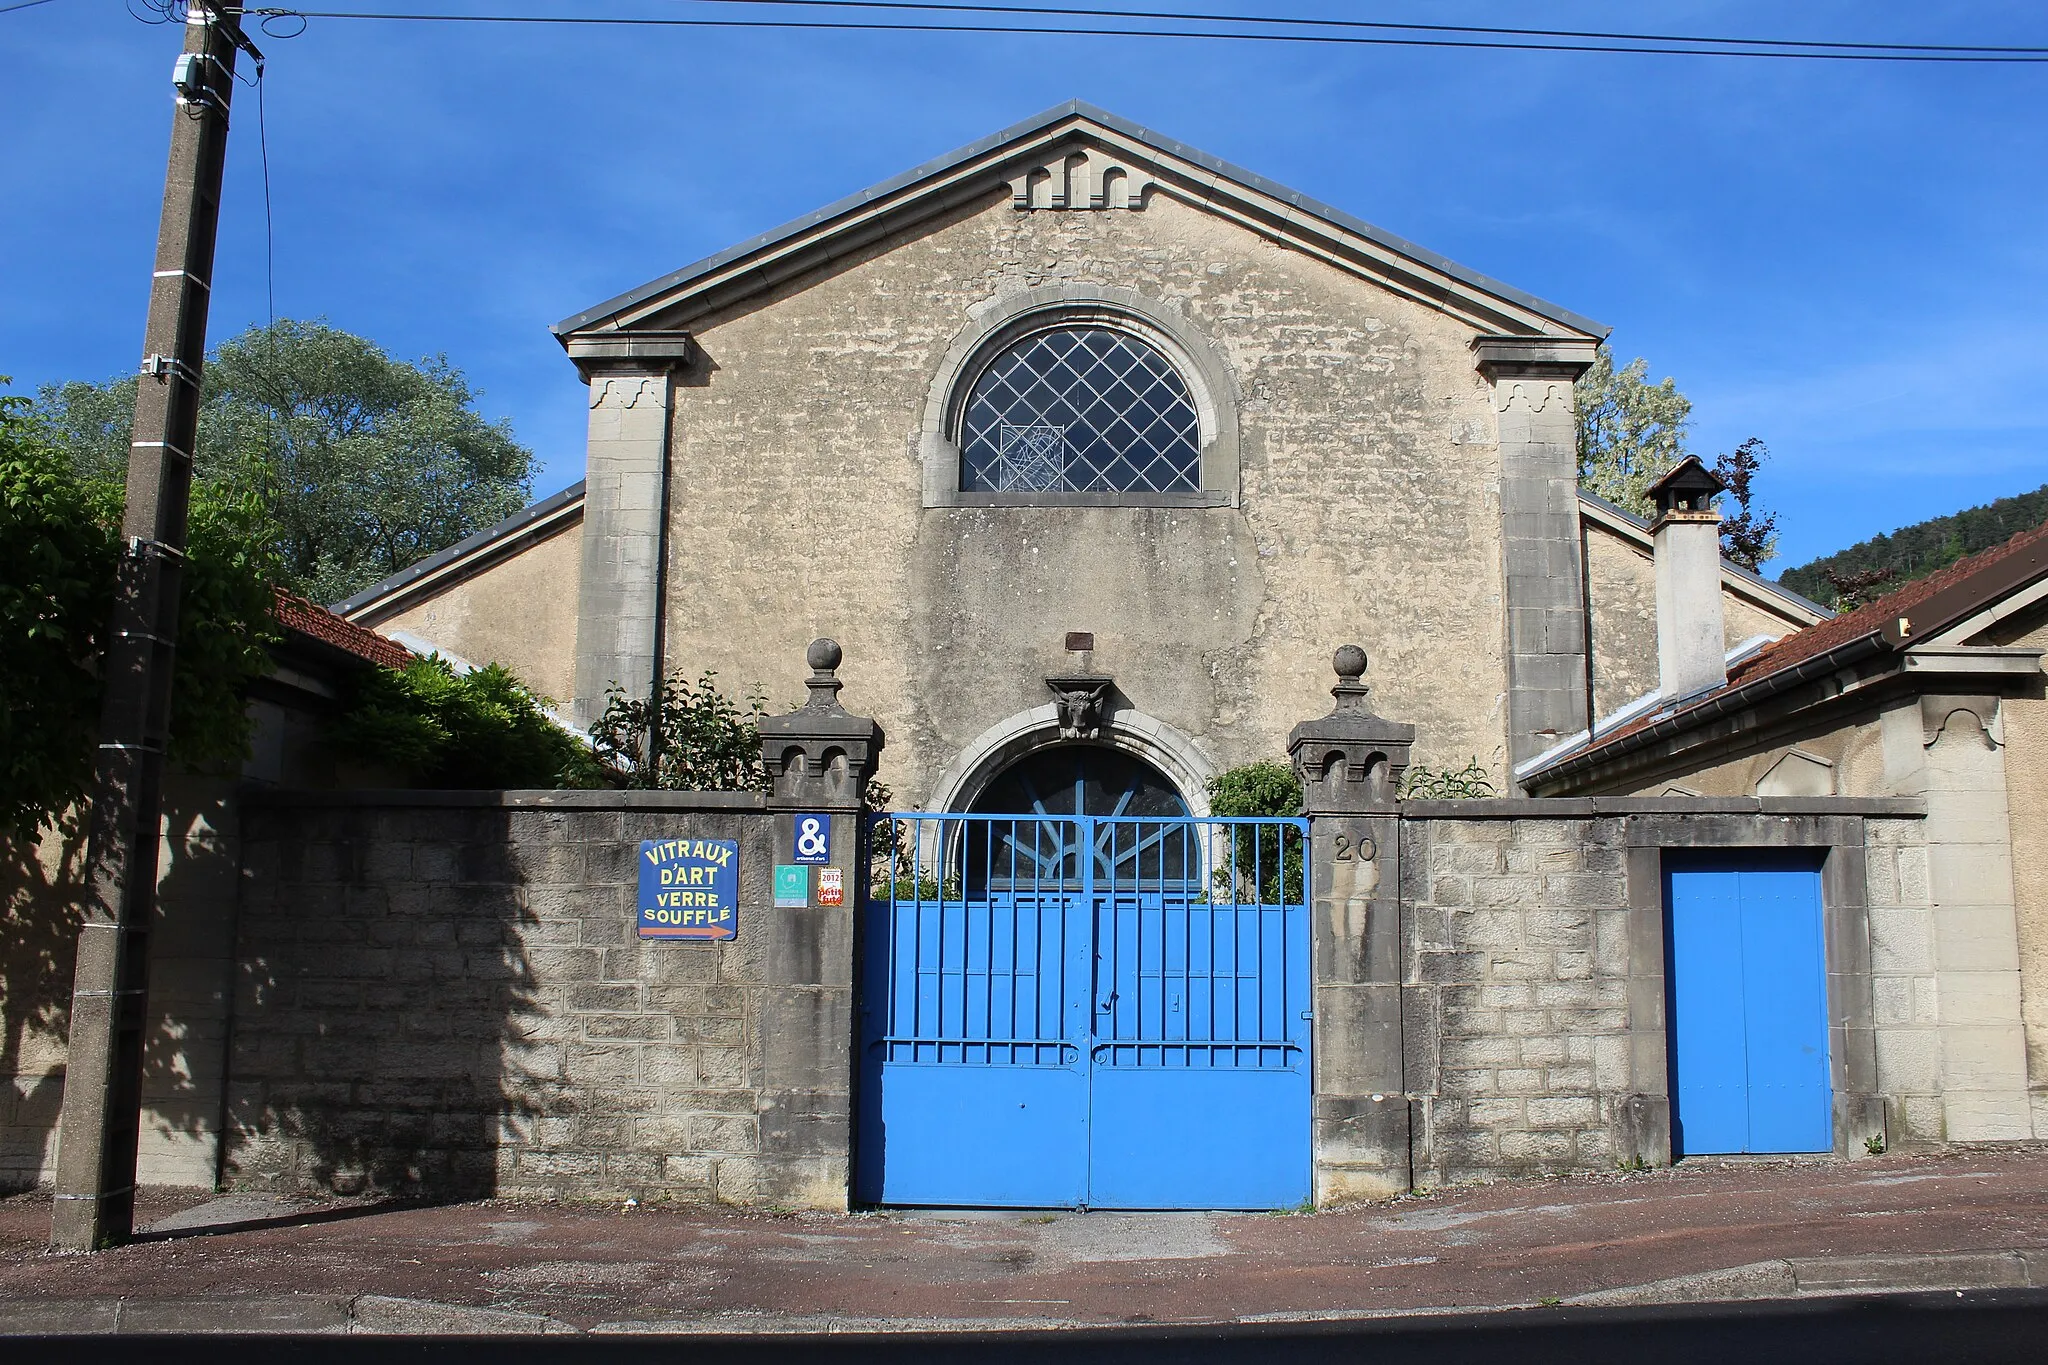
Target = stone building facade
(1386,456)
(1091,449)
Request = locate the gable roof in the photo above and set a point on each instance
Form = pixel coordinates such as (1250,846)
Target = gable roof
(1180,170)
(1895,622)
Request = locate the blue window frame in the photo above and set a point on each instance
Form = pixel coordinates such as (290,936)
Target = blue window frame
(1080,409)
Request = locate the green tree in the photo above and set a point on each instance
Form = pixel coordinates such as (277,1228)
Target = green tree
(364,464)
(60,547)
(1631,433)
(1630,430)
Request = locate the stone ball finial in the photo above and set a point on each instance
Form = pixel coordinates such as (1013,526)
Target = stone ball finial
(824,654)
(1350,663)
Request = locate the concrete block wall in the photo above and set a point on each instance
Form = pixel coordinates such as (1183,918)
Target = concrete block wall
(445,993)
(1516,1012)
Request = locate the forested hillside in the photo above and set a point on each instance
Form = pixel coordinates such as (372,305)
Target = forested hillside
(1855,575)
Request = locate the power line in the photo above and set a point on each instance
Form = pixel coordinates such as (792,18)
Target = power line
(1972,57)
(25,4)
(1077,12)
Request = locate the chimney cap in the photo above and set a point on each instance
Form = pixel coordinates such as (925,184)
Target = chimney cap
(1689,487)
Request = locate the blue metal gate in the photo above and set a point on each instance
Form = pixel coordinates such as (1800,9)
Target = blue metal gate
(1747,1004)
(1085,1012)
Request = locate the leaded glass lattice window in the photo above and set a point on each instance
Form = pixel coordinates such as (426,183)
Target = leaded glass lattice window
(1080,410)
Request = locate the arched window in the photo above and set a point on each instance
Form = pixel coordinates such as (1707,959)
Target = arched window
(1080,409)
(1143,834)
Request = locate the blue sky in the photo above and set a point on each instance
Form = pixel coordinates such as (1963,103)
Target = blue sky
(1849,261)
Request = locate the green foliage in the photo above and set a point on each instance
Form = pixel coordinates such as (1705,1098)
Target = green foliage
(365,464)
(1851,577)
(1631,432)
(482,729)
(57,552)
(1265,860)
(687,737)
(1469,783)
(1874,1144)
(60,550)
(1256,790)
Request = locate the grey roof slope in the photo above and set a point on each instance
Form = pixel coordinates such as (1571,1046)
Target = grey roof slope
(490,535)
(1039,123)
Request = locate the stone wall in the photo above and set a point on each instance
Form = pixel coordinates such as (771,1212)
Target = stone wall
(1517,993)
(444,993)
(191,944)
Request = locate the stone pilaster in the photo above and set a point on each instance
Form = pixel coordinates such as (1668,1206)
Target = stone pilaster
(1539,512)
(1947,750)
(1350,764)
(619,597)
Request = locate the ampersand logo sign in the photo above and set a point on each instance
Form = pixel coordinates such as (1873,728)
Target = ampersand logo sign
(813,839)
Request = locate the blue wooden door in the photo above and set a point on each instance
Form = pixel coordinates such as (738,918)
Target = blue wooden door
(1086,1012)
(1747,1005)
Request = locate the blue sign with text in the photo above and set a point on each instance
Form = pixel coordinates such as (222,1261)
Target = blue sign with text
(689,888)
(813,839)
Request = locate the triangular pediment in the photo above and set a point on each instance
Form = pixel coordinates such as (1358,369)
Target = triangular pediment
(1076,158)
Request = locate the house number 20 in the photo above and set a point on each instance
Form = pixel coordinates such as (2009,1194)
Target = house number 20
(1359,846)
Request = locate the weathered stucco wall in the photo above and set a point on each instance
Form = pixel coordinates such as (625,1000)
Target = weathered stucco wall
(519,612)
(1623,581)
(1370,487)
(445,993)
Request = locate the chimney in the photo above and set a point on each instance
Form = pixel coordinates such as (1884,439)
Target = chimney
(1691,649)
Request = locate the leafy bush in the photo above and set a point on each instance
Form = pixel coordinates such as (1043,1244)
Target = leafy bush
(687,737)
(1265,859)
(483,729)
(60,549)
(1469,783)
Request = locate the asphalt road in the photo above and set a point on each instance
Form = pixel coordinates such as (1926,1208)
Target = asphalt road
(1982,1328)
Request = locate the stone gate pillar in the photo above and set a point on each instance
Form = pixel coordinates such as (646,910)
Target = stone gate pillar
(1350,764)
(819,760)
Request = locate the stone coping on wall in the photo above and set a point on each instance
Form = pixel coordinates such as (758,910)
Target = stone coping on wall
(1579,807)
(389,798)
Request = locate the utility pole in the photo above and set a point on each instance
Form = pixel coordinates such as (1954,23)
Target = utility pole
(102,1115)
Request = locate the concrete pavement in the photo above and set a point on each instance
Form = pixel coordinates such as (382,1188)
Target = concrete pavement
(1702,1232)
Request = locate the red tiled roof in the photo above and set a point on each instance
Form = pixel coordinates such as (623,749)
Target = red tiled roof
(307,617)
(1815,640)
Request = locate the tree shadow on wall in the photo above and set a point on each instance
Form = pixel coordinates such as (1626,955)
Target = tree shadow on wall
(387,1038)
(39,919)
(42,897)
